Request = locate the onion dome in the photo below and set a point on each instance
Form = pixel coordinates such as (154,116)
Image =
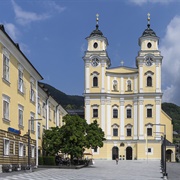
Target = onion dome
(148,31)
(96,32)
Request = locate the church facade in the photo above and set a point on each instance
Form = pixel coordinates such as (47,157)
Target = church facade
(126,101)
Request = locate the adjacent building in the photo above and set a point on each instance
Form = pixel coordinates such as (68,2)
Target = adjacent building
(126,101)
(24,101)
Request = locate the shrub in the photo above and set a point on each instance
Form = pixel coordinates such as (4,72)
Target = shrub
(49,160)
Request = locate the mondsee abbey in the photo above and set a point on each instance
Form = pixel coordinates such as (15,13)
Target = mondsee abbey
(126,101)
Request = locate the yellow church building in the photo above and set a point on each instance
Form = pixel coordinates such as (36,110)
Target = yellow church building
(126,101)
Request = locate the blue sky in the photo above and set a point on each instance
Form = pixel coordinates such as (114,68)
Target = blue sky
(52,33)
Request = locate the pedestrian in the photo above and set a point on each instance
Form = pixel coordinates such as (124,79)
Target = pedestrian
(117,160)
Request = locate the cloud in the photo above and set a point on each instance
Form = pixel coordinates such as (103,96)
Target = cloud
(12,30)
(54,6)
(24,17)
(142,2)
(170,49)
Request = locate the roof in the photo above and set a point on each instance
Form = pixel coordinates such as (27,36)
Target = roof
(18,48)
(168,143)
(148,32)
(96,32)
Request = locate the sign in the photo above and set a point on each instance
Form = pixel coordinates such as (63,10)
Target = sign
(15,131)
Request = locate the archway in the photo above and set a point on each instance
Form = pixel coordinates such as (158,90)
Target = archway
(129,153)
(168,155)
(115,152)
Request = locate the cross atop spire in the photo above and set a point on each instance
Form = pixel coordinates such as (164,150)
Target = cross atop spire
(97,21)
(148,18)
(122,63)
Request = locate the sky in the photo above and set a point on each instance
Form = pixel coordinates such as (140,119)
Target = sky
(51,33)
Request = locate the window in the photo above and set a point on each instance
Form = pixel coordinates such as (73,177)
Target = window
(149,131)
(12,147)
(95,81)
(39,106)
(32,122)
(39,130)
(149,112)
(21,148)
(20,112)
(149,81)
(32,151)
(20,80)
(32,92)
(24,150)
(115,132)
(149,150)
(128,131)
(115,113)
(95,149)
(44,109)
(54,116)
(95,113)
(6,147)
(128,113)
(128,85)
(49,112)
(6,67)
(6,101)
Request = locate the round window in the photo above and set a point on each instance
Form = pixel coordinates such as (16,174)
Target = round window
(149,45)
(95,45)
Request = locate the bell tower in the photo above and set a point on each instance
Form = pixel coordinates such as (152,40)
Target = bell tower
(149,61)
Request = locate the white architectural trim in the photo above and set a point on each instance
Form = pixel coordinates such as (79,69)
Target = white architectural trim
(141,78)
(103,77)
(108,84)
(141,119)
(122,85)
(122,118)
(135,120)
(103,113)
(87,110)
(108,118)
(87,78)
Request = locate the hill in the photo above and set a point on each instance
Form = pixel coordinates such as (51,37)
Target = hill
(173,111)
(66,101)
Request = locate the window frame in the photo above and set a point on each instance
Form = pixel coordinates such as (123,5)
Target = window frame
(115,113)
(6,107)
(149,81)
(95,112)
(20,79)
(95,81)
(6,67)
(115,131)
(20,109)
(21,149)
(6,148)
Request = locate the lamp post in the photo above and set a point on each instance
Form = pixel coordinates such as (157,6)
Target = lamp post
(164,152)
(29,138)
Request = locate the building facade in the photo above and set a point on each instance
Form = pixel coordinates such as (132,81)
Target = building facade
(126,101)
(23,101)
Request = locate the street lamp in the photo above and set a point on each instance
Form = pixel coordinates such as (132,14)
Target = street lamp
(29,138)
(164,152)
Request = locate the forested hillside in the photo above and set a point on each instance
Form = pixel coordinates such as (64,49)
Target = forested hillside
(173,111)
(66,101)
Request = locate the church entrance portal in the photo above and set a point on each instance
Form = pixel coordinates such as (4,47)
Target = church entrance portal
(115,153)
(129,153)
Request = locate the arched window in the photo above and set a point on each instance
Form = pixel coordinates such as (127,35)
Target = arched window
(128,85)
(95,81)
(149,81)
(129,111)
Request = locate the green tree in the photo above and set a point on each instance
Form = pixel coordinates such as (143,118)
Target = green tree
(95,135)
(52,140)
(73,137)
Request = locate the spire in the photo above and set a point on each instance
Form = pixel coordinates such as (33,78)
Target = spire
(97,21)
(148,18)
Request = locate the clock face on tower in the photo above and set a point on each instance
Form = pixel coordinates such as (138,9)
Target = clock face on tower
(149,61)
(95,62)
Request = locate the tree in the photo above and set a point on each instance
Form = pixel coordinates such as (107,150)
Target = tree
(95,135)
(73,137)
(52,140)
